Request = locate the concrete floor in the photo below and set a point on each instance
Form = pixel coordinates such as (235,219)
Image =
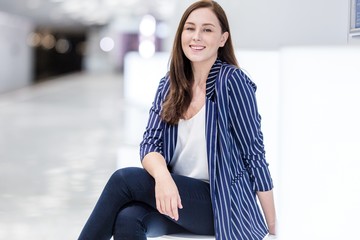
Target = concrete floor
(59,142)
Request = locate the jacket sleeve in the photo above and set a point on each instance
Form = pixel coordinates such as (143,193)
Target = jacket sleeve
(246,124)
(153,135)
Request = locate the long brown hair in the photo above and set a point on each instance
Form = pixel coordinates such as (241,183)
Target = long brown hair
(181,75)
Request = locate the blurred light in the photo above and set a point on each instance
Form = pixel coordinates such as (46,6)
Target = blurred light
(62,46)
(107,44)
(147,26)
(48,41)
(34,39)
(162,30)
(146,49)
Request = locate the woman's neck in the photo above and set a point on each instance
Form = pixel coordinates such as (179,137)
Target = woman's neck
(201,71)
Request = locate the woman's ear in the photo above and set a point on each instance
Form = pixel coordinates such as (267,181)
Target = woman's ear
(224,38)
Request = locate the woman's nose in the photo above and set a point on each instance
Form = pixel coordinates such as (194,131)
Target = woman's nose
(197,36)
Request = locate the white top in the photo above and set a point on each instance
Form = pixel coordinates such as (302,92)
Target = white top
(190,157)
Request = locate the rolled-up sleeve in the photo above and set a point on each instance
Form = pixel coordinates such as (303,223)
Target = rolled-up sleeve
(246,124)
(153,135)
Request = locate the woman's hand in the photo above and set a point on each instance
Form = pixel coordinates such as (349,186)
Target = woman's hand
(272,229)
(166,193)
(167,196)
(268,206)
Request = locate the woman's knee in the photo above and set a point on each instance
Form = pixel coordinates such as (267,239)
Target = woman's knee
(126,174)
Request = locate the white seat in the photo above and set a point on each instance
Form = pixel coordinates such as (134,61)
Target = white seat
(185,237)
(191,236)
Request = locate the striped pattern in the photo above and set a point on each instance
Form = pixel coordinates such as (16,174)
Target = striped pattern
(237,165)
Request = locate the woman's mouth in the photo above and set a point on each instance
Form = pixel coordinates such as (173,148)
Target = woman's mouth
(196,47)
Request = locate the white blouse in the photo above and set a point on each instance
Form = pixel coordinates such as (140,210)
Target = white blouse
(190,157)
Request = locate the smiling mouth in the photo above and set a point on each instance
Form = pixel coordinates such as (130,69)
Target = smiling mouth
(197,47)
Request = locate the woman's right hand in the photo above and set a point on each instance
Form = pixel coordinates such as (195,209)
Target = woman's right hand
(167,196)
(166,193)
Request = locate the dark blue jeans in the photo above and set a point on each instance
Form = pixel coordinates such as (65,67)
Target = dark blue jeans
(126,208)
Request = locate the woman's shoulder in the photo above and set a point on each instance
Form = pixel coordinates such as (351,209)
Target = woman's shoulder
(231,72)
(164,83)
(235,75)
(165,79)
(228,68)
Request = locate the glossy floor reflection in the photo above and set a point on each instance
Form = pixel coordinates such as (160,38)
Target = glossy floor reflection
(59,142)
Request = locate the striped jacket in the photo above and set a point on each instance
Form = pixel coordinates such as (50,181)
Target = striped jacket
(235,150)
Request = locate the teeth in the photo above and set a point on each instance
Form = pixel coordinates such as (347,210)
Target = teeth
(197,47)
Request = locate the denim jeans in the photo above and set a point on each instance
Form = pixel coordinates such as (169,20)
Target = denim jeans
(126,208)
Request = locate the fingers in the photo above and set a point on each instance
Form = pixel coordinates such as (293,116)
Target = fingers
(174,210)
(179,203)
(167,197)
(158,206)
(169,207)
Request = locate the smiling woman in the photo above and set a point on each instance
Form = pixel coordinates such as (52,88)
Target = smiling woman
(201,38)
(202,150)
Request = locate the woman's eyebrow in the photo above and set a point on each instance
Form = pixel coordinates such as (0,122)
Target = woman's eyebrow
(209,24)
(204,24)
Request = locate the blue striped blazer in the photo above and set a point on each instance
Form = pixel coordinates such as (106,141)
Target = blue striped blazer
(235,150)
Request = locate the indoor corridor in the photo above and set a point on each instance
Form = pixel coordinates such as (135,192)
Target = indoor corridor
(77,78)
(60,141)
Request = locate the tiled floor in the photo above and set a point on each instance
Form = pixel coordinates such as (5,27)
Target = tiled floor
(59,142)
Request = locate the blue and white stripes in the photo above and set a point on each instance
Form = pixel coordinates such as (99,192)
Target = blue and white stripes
(236,156)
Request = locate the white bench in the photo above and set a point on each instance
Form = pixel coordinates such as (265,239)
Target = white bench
(183,237)
(191,236)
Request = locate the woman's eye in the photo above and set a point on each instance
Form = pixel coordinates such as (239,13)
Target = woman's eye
(189,28)
(207,30)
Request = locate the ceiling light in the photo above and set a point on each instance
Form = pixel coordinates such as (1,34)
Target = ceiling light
(147,49)
(107,44)
(147,26)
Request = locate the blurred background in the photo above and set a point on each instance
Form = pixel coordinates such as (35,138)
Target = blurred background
(77,78)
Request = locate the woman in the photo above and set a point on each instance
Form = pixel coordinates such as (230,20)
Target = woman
(202,152)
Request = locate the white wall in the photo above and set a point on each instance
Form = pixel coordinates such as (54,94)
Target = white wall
(314,22)
(319,143)
(15,54)
(265,24)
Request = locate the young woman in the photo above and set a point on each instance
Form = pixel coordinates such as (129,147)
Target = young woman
(202,152)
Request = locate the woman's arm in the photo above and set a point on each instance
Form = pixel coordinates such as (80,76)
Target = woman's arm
(246,122)
(166,193)
(151,148)
(268,206)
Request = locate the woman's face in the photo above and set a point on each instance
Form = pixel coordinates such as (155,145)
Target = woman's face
(202,36)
